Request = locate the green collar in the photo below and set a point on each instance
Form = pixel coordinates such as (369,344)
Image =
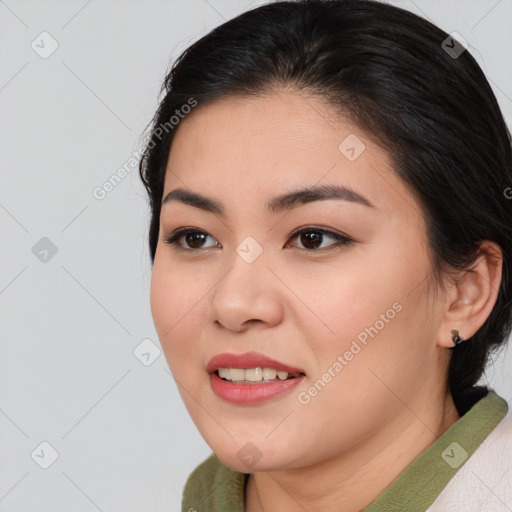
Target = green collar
(417,487)
(214,487)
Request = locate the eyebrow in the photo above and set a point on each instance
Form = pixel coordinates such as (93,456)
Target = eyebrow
(278,204)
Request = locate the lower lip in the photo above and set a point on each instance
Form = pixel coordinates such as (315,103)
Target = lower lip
(250,393)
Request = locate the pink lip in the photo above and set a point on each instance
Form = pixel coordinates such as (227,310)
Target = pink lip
(247,360)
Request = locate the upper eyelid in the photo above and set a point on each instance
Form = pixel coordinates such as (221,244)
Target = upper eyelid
(327,231)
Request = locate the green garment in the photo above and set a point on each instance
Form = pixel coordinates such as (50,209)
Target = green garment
(213,487)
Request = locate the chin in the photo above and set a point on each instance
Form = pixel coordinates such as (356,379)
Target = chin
(249,457)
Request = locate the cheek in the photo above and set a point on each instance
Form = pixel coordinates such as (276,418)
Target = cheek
(175,306)
(371,306)
(162,299)
(347,302)
(375,315)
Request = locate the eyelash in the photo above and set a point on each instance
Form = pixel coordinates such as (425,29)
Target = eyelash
(342,241)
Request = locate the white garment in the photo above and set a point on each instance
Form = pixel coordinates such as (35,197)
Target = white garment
(484,482)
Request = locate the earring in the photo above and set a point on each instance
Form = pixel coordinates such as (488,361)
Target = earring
(457,339)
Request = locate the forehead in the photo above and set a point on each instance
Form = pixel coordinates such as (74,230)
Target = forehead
(243,148)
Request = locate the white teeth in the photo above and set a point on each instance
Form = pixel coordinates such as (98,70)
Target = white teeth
(223,373)
(236,374)
(269,373)
(253,374)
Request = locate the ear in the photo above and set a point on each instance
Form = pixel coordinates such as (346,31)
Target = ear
(471,295)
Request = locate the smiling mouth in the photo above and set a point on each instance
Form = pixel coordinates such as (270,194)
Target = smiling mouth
(256,375)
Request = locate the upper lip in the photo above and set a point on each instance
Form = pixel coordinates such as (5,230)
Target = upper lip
(247,360)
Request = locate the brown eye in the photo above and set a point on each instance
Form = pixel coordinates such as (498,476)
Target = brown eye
(193,238)
(312,238)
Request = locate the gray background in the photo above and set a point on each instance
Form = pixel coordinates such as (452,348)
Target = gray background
(71,321)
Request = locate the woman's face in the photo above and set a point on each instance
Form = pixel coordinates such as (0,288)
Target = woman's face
(356,318)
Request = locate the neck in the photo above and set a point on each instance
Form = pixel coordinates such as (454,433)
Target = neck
(351,480)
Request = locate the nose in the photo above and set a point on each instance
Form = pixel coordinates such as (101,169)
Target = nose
(249,295)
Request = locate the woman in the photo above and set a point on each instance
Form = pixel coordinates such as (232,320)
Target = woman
(332,251)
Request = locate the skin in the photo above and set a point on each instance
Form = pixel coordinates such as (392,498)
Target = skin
(304,308)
